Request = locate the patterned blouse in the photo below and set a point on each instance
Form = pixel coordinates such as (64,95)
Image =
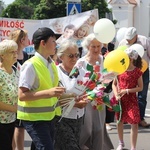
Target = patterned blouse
(8,94)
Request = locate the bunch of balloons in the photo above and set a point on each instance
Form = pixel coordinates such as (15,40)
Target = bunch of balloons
(118,61)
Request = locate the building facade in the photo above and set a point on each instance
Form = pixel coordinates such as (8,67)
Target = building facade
(132,13)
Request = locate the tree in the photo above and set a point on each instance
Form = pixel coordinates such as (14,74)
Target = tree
(50,9)
(2,5)
(17,11)
(46,9)
(22,9)
(101,5)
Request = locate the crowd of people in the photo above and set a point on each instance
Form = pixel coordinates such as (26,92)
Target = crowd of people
(36,91)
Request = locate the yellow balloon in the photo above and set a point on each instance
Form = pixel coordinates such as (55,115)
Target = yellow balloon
(144,65)
(116,61)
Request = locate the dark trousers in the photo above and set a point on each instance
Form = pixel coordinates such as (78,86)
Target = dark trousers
(109,116)
(41,133)
(142,96)
(6,136)
(67,134)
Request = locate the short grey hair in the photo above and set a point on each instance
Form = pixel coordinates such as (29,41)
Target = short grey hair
(87,40)
(7,45)
(65,45)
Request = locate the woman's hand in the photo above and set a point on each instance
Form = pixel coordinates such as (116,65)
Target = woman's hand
(81,101)
(121,93)
(81,104)
(117,97)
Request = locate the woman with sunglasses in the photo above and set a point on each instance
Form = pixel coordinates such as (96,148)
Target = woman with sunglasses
(68,128)
(21,38)
(93,131)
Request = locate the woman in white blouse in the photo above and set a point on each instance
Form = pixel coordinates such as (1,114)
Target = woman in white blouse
(93,131)
(68,127)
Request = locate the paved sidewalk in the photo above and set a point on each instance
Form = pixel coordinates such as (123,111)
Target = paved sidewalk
(143,142)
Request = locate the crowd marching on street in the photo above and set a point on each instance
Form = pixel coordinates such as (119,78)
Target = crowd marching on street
(71,97)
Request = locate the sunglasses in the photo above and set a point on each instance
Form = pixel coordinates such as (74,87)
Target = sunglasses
(77,55)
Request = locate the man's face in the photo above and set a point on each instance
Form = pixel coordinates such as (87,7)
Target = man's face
(132,41)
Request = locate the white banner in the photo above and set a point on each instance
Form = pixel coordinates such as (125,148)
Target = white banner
(75,26)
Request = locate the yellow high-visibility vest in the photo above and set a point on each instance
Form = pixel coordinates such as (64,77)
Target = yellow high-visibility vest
(42,109)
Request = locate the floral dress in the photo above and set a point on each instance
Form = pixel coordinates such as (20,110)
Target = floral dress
(8,95)
(129,102)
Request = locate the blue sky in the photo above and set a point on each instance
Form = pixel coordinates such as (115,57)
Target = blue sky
(8,1)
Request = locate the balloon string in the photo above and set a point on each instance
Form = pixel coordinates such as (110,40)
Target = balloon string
(68,109)
(120,113)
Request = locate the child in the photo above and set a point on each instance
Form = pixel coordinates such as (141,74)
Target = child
(91,20)
(68,33)
(58,26)
(82,31)
(125,87)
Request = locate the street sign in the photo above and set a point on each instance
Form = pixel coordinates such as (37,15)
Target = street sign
(73,8)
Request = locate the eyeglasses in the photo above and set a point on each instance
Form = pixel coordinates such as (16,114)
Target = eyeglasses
(77,55)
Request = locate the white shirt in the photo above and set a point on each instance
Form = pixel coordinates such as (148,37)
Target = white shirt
(68,83)
(28,77)
(142,40)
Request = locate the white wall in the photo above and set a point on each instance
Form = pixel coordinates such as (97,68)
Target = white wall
(142,17)
(138,16)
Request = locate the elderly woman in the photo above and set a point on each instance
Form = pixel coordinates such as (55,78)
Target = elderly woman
(8,92)
(93,131)
(68,127)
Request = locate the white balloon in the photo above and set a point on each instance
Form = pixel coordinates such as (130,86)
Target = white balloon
(139,48)
(120,34)
(104,30)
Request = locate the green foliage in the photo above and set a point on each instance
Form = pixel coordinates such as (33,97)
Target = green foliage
(17,11)
(101,5)
(2,6)
(46,9)
(22,9)
(114,21)
(50,9)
